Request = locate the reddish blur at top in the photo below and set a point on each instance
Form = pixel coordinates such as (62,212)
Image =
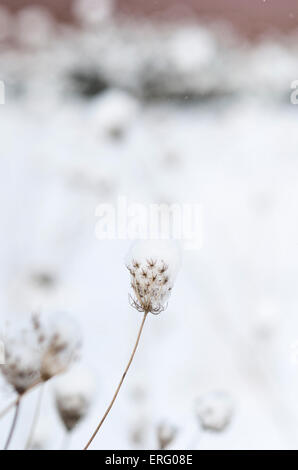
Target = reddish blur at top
(251,18)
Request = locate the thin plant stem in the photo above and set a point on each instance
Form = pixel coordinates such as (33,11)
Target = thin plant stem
(15,402)
(66,440)
(14,422)
(29,389)
(35,418)
(120,383)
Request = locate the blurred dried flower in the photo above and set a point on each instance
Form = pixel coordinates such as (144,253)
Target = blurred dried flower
(60,343)
(93,12)
(34,26)
(73,395)
(166,433)
(113,111)
(22,359)
(214,410)
(38,352)
(153,266)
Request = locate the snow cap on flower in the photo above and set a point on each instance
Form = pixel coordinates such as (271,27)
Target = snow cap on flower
(215,410)
(93,12)
(73,394)
(61,344)
(113,112)
(166,433)
(153,266)
(22,358)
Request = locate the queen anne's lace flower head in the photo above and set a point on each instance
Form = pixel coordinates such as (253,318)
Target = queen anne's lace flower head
(215,410)
(153,265)
(73,394)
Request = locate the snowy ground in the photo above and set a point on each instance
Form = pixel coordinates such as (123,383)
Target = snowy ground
(231,323)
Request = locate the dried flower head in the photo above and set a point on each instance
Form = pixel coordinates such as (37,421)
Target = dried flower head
(22,359)
(153,265)
(215,410)
(166,433)
(73,395)
(39,351)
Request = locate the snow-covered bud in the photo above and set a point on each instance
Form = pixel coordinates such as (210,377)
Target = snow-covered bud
(73,395)
(166,433)
(60,346)
(215,410)
(153,266)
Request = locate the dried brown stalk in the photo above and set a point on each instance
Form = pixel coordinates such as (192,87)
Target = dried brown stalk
(120,383)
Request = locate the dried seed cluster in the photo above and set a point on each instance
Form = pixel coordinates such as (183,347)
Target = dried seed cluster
(74,392)
(151,284)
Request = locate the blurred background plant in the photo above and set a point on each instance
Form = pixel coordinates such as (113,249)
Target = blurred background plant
(160,102)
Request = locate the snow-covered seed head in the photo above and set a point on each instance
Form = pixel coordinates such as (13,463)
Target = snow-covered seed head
(166,433)
(214,411)
(73,395)
(60,344)
(153,266)
(42,434)
(22,359)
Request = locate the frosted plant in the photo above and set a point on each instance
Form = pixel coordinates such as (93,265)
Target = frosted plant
(6,23)
(61,343)
(113,111)
(73,396)
(153,266)
(214,410)
(166,433)
(22,360)
(93,12)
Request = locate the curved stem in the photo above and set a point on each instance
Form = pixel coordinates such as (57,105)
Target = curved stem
(120,383)
(35,418)
(13,425)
